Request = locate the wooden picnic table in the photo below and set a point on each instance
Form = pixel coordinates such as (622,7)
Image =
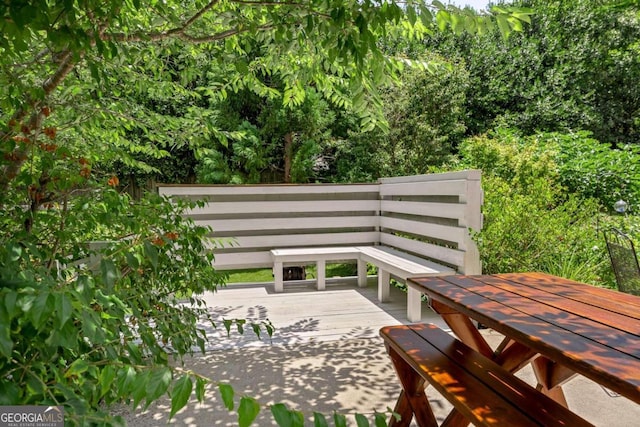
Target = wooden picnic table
(561,327)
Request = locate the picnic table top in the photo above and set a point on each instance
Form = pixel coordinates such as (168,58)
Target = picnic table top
(588,330)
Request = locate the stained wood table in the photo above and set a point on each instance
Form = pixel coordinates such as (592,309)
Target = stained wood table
(562,327)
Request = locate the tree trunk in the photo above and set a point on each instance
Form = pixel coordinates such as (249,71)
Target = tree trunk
(288,154)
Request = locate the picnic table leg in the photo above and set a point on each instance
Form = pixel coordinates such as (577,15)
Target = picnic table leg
(321,274)
(278,277)
(510,355)
(412,400)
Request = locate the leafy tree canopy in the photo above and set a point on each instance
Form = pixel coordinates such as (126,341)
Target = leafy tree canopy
(89,58)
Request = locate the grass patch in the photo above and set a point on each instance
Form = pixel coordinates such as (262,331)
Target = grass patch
(258,275)
(250,275)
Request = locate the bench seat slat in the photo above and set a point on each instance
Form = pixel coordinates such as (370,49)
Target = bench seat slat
(314,254)
(401,264)
(481,390)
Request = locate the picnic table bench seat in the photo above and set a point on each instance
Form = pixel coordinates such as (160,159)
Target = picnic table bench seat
(480,391)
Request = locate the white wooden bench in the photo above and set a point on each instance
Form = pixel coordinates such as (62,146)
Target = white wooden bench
(319,256)
(388,261)
(410,226)
(392,262)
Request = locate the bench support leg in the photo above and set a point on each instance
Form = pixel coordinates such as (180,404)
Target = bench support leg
(278,276)
(383,285)
(412,400)
(414,304)
(362,273)
(321,274)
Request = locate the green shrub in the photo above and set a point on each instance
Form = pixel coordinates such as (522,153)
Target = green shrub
(540,230)
(531,222)
(592,169)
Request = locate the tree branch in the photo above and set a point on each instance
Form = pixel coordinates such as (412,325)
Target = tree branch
(11,170)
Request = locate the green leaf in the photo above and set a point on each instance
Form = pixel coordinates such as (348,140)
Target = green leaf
(256,329)
(139,390)
(247,411)
(443,18)
(10,298)
(132,260)
(242,67)
(15,252)
(282,415)
(63,307)
(9,393)
(339,420)
(227,325)
(92,327)
(200,389)
(180,394)
(240,325)
(426,16)
(503,24)
(84,287)
(438,4)
(298,418)
(41,308)
(362,421)
(135,355)
(126,379)
(159,381)
(152,253)
(319,420)
(286,417)
(380,420)
(107,376)
(6,344)
(227,393)
(411,15)
(78,367)
(109,272)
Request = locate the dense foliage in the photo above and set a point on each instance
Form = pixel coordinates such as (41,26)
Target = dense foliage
(575,68)
(85,327)
(425,115)
(531,222)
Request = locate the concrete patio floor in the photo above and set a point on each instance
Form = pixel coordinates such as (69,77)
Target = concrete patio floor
(326,356)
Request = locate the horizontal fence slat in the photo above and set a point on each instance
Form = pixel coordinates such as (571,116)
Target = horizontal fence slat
(297,240)
(235,261)
(469,174)
(293,223)
(288,207)
(429,188)
(434,231)
(239,190)
(440,210)
(440,253)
